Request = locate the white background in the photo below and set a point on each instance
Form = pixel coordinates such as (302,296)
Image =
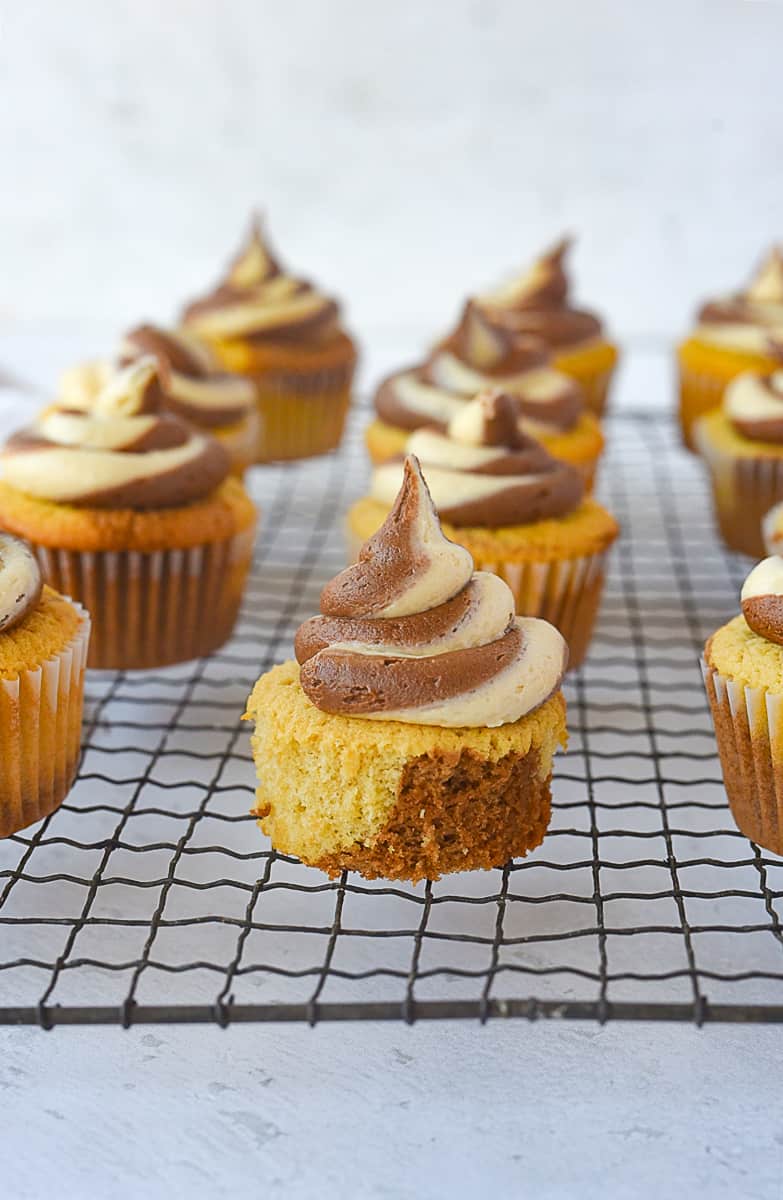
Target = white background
(405,152)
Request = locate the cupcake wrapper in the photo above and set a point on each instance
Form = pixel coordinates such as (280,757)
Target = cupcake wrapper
(744,490)
(302,415)
(566,593)
(40,734)
(749,732)
(152,610)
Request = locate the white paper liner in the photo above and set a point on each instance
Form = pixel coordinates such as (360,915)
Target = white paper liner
(42,711)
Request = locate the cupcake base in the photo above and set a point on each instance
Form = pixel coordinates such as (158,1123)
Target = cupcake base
(749,731)
(398,801)
(40,733)
(704,374)
(592,366)
(747,481)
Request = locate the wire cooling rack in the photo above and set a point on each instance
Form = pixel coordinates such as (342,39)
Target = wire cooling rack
(151,895)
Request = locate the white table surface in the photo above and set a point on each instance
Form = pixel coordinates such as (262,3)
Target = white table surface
(372,1110)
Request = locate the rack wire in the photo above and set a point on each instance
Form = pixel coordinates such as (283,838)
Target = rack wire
(151,896)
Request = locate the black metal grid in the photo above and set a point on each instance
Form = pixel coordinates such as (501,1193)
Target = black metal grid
(151,896)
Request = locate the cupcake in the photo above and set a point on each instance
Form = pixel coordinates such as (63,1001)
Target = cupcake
(537,303)
(521,513)
(480,355)
(285,335)
(194,386)
(741,444)
(414,735)
(743,674)
(43,653)
(732,335)
(133,512)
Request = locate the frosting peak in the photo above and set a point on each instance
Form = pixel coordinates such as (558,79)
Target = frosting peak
(122,453)
(766,287)
(428,641)
(485,470)
(762,599)
(20,581)
(749,320)
(254,263)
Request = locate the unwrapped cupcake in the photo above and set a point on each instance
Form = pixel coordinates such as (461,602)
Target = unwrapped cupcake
(537,302)
(415,734)
(743,674)
(521,513)
(733,334)
(43,654)
(133,512)
(480,355)
(286,335)
(741,444)
(193,386)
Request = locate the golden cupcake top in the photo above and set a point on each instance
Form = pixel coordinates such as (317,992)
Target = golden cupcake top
(480,355)
(412,633)
(192,382)
(258,301)
(761,599)
(537,302)
(126,452)
(753,402)
(484,470)
(751,319)
(21,583)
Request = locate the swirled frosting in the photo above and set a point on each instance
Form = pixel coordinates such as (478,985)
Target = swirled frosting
(485,471)
(258,301)
(536,302)
(753,402)
(478,355)
(20,581)
(748,320)
(762,599)
(411,633)
(125,452)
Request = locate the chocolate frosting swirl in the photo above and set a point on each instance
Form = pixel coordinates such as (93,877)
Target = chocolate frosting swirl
(485,470)
(257,301)
(479,355)
(411,633)
(20,581)
(762,599)
(752,319)
(753,403)
(536,302)
(124,453)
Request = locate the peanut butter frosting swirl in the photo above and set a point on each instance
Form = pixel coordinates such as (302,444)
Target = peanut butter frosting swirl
(762,599)
(125,452)
(536,302)
(476,356)
(20,581)
(411,633)
(753,403)
(485,471)
(751,319)
(258,301)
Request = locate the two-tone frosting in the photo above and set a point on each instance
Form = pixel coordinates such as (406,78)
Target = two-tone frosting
(748,320)
(192,382)
(753,403)
(479,355)
(412,633)
(485,470)
(125,452)
(20,581)
(536,302)
(762,599)
(258,301)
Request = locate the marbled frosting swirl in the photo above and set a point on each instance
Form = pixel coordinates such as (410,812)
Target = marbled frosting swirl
(753,403)
(259,302)
(751,319)
(762,599)
(411,633)
(485,471)
(125,452)
(479,355)
(20,581)
(536,302)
